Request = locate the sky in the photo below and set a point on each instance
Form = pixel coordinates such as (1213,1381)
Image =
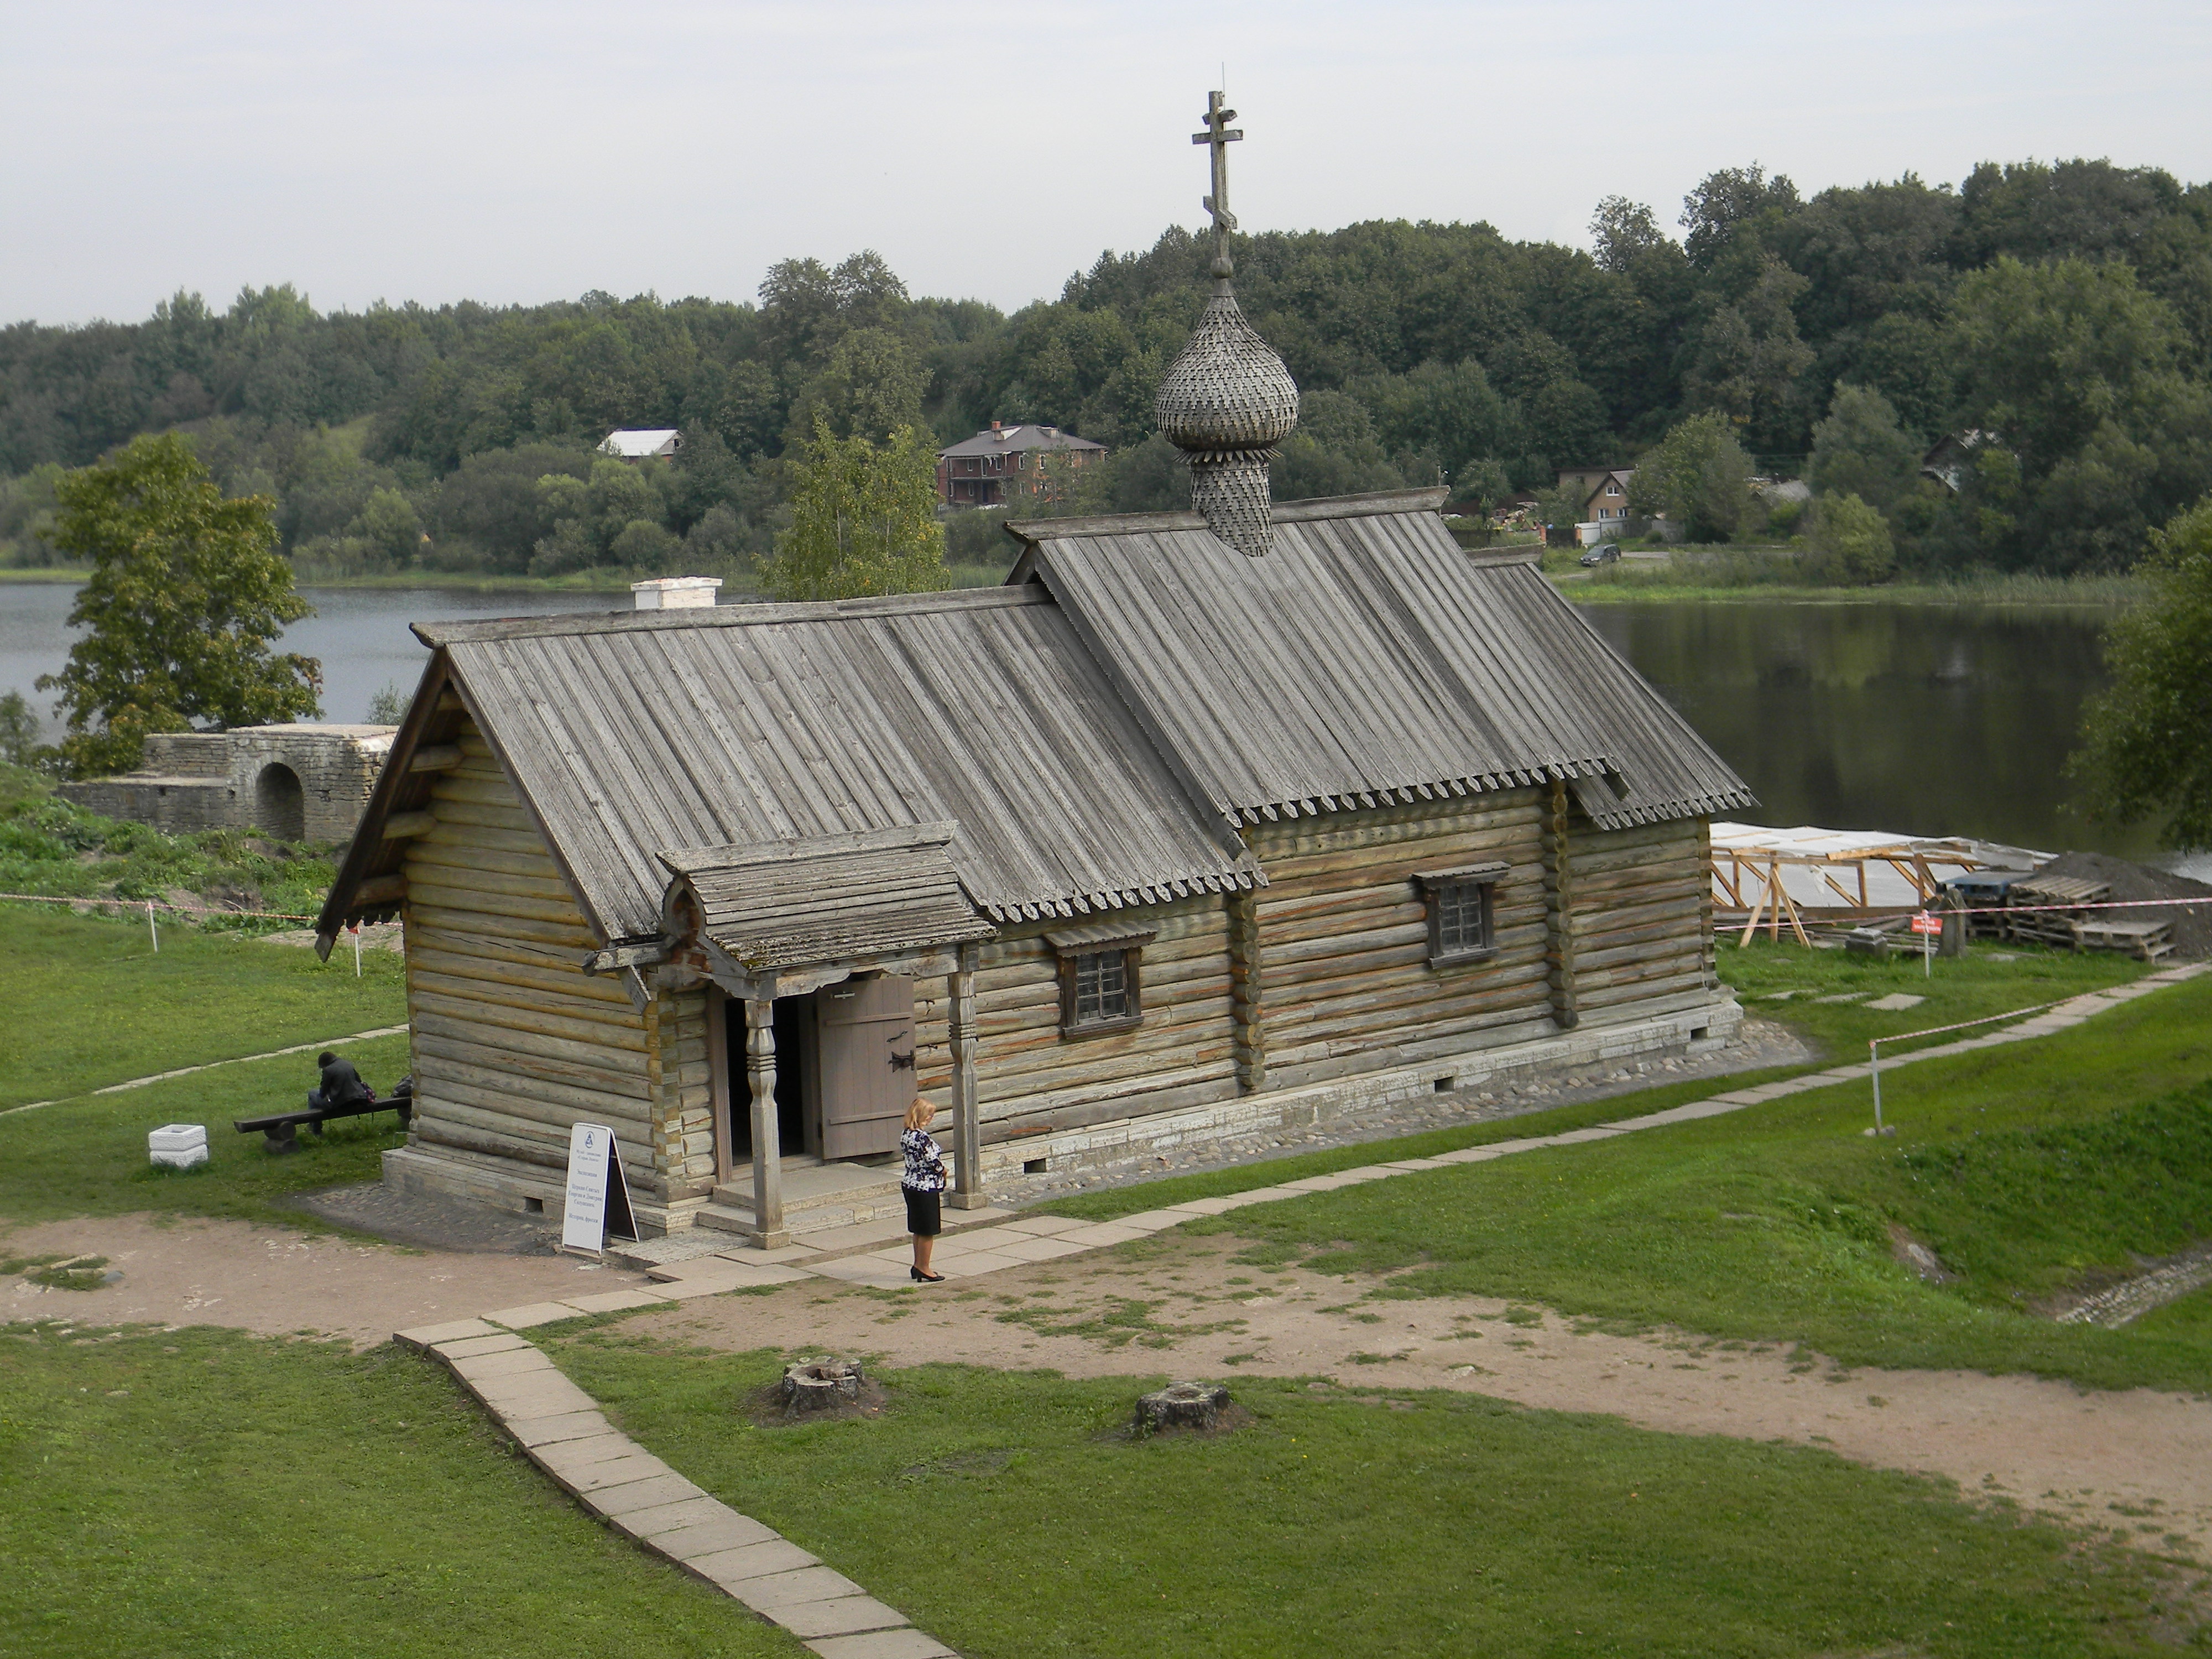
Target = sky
(506,152)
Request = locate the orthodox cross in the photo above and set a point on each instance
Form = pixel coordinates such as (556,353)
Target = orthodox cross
(1219,134)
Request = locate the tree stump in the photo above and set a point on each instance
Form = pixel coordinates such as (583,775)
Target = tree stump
(1181,1406)
(821,1385)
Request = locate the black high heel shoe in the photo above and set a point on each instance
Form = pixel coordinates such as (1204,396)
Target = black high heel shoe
(922,1278)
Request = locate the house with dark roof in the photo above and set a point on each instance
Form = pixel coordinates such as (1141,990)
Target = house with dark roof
(1204,824)
(1007,463)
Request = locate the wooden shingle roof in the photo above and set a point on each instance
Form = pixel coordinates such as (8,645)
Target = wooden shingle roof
(641,731)
(1094,731)
(1368,659)
(787,903)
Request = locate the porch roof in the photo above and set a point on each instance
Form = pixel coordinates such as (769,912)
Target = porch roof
(824,898)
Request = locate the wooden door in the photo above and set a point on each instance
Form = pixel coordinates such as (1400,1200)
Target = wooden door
(865,1040)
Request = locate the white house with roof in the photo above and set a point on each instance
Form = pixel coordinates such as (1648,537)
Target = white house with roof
(657,443)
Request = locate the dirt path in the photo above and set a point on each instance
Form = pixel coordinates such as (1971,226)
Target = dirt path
(2138,1462)
(277,1281)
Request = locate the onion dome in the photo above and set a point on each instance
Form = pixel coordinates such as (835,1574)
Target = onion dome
(1228,392)
(1227,400)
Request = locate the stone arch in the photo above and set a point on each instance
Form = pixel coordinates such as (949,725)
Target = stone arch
(279,803)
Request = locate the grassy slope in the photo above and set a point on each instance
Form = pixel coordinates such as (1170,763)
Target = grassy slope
(48,846)
(1771,1224)
(87,1156)
(89,1002)
(1001,1513)
(201,1492)
(1979,984)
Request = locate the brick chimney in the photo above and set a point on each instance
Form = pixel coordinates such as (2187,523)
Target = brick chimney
(675,592)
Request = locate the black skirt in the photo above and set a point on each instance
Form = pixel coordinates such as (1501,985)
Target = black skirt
(925,1213)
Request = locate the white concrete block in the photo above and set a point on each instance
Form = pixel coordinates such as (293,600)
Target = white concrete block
(178,1146)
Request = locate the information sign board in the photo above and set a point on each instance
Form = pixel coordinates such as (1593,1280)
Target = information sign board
(596,1206)
(1925,923)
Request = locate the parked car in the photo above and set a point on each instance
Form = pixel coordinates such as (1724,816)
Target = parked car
(1606,553)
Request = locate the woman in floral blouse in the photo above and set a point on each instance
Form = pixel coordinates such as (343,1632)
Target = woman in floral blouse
(923,1183)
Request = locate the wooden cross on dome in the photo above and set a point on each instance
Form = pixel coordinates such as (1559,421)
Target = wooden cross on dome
(1219,134)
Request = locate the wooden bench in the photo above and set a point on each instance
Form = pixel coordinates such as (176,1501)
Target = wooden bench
(283,1128)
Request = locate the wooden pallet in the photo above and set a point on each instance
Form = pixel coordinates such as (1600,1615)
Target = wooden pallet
(2146,941)
(2035,925)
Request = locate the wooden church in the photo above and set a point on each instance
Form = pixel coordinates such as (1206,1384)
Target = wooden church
(1205,823)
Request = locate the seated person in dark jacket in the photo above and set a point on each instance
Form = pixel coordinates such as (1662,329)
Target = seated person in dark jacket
(341,1085)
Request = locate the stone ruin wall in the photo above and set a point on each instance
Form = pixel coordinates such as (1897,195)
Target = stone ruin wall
(295,782)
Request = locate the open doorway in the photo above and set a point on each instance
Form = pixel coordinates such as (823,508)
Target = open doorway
(844,1071)
(280,804)
(797,1072)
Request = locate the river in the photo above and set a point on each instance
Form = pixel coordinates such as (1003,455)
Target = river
(1923,720)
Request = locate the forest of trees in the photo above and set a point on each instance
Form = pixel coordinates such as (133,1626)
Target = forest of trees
(2061,315)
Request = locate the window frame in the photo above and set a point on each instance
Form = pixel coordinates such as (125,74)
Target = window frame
(1070,946)
(1435,884)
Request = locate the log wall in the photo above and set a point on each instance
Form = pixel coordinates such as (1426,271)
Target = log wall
(1641,909)
(1030,1079)
(513,1042)
(1343,935)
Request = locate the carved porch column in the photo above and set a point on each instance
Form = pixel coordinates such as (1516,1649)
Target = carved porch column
(1247,1035)
(967,1191)
(1559,910)
(767,1151)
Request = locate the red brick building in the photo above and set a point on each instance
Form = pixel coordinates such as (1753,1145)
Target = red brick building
(1005,463)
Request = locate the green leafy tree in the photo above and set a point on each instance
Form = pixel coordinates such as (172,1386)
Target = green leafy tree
(869,387)
(1437,417)
(2074,371)
(26,515)
(1728,201)
(1698,477)
(641,544)
(19,730)
(1848,542)
(1620,231)
(1334,451)
(863,519)
(390,526)
(1860,450)
(186,593)
(2149,749)
(1745,356)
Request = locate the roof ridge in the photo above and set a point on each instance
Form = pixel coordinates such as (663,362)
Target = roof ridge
(1375,503)
(759,614)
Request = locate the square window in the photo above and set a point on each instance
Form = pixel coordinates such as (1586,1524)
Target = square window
(1101,984)
(1462,918)
(1462,913)
(1102,987)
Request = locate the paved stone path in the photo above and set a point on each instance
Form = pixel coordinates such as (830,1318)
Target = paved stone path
(562,1429)
(2132,1299)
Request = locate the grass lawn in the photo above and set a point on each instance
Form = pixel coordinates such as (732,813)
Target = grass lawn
(1001,1511)
(1968,988)
(203,1492)
(88,1002)
(2028,1169)
(88,1156)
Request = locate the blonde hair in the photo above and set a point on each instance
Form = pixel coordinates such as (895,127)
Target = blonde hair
(919,1114)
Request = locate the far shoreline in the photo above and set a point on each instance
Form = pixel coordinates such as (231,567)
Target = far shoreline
(2094,592)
